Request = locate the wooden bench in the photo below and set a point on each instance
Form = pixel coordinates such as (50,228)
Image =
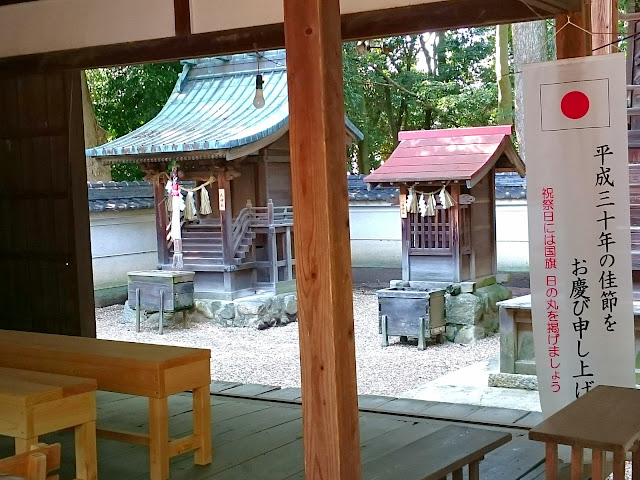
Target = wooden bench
(606,419)
(433,457)
(153,371)
(37,464)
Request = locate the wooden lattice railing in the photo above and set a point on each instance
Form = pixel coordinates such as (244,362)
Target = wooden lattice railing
(259,217)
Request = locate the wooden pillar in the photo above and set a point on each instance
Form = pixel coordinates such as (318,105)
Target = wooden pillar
(454,226)
(571,41)
(321,227)
(406,241)
(226,220)
(161,223)
(604,21)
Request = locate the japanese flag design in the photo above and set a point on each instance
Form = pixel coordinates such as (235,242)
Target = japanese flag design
(575,105)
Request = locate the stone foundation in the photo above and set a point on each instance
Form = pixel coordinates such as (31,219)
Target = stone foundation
(258,311)
(472,316)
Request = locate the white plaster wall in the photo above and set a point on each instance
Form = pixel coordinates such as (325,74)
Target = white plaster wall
(214,15)
(512,236)
(121,242)
(376,235)
(375,230)
(50,25)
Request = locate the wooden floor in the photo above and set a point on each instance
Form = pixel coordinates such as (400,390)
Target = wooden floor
(257,434)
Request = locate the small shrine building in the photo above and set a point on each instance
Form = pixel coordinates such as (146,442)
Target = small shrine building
(447,200)
(233,170)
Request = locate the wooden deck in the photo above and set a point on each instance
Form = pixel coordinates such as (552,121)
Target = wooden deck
(257,434)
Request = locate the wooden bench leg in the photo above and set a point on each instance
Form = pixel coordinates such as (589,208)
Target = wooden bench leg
(86,456)
(457,474)
(618,465)
(551,464)
(23,445)
(159,441)
(576,463)
(596,464)
(202,425)
(474,470)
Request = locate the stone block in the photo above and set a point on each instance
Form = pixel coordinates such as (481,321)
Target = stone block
(291,304)
(227,311)
(204,308)
(463,309)
(469,334)
(513,380)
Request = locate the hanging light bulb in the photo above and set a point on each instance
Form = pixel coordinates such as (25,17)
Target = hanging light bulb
(258,100)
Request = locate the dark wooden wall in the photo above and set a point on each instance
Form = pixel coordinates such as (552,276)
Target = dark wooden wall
(45,249)
(483,228)
(279,172)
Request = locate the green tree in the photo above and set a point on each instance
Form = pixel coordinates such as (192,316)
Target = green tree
(417,82)
(125,98)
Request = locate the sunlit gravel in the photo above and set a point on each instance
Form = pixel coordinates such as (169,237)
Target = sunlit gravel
(271,356)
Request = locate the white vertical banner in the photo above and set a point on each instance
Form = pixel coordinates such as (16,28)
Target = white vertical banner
(579,233)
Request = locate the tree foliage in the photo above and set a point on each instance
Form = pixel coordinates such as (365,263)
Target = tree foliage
(417,82)
(125,98)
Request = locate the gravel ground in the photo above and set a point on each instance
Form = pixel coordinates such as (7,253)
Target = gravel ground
(271,356)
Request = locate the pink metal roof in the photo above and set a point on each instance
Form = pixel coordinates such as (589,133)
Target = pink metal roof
(464,154)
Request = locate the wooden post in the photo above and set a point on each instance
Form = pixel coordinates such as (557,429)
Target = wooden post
(161,224)
(571,41)
(288,253)
(226,220)
(604,22)
(331,434)
(454,226)
(406,241)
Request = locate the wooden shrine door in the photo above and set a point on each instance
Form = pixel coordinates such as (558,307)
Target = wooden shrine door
(46,280)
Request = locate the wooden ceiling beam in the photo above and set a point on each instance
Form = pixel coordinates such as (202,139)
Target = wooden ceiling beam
(450,14)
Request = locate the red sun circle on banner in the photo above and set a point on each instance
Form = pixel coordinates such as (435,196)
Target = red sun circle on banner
(574,105)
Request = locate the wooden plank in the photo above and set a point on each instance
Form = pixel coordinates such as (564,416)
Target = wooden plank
(449,410)
(434,456)
(516,459)
(323,266)
(604,22)
(250,390)
(403,406)
(570,41)
(372,401)
(497,416)
(286,394)
(218,386)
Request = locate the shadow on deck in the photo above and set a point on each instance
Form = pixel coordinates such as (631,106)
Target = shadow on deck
(257,434)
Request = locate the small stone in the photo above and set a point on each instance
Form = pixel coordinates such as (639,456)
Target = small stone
(469,334)
(291,305)
(204,308)
(227,311)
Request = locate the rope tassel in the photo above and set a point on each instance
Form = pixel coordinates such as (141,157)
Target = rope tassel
(431,206)
(446,199)
(205,203)
(190,207)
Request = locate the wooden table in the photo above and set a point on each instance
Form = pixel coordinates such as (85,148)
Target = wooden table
(607,419)
(153,371)
(36,403)
(516,336)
